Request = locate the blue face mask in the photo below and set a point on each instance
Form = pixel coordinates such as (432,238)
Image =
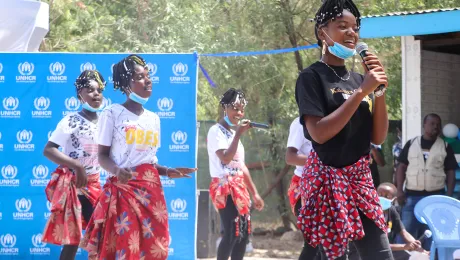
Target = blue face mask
(228,121)
(138,99)
(339,50)
(89,108)
(385,203)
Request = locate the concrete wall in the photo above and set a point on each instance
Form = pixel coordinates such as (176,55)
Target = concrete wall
(440,86)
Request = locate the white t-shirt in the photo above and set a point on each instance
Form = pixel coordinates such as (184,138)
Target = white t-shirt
(220,138)
(77,137)
(297,140)
(134,139)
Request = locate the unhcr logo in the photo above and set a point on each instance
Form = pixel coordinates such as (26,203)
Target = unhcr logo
(48,206)
(8,243)
(180,71)
(26,69)
(87,66)
(9,174)
(10,106)
(39,246)
(40,173)
(111,73)
(23,207)
(165,105)
(24,139)
(152,71)
(72,104)
(106,102)
(41,105)
(57,70)
(179,140)
(1,145)
(178,207)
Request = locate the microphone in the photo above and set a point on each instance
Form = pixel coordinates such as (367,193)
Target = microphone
(259,125)
(426,234)
(361,48)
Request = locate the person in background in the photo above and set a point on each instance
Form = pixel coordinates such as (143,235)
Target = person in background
(397,148)
(426,164)
(74,186)
(387,193)
(377,159)
(231,180)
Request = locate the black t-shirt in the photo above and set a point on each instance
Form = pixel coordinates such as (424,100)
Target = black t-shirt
(450,163)
(394,223)
(319,92)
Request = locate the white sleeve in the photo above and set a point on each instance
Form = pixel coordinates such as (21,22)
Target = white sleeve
(296,138)
(216,140)
(105,128)
(62,132)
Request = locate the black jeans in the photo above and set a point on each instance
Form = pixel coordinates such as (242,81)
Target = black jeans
(231,244)
(373,246)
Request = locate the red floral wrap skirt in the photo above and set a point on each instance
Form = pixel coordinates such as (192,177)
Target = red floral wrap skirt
(65,225)
(130,220)
(331,198)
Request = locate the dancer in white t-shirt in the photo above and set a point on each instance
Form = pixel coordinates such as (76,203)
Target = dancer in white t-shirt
(298,149)
(130,220)
(230,177)
(74,186)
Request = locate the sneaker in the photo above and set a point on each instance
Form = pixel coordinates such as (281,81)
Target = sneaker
(249,247)
(218,242)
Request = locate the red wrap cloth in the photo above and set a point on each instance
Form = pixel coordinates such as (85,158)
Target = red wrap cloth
(65,225)
(332,197)
(220,188)
(294,192)
(130,221)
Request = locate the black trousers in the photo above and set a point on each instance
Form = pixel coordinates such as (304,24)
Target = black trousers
(232,245)
(373,246)
(86,207)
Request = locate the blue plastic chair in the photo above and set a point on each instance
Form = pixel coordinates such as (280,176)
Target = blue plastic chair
(442,215)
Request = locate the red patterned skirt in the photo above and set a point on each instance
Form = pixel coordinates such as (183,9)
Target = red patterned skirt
(234,186)
(65,225)
(332,197)
(130,220)
(294,192)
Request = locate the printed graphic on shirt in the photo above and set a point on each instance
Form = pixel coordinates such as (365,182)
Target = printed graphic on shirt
(233,168)
(347,93)
(77,137)
(143,139)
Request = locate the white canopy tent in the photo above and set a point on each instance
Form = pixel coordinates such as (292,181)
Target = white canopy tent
(23,25)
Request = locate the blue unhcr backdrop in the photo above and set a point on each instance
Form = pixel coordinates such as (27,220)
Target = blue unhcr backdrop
(36,91)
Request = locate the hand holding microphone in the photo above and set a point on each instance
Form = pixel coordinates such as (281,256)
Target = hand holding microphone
(375,80)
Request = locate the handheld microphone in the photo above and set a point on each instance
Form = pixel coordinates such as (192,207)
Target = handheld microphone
(361,48)
(426,234)
(259,125)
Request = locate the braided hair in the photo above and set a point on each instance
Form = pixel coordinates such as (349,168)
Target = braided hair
(330,9)
(83,81)
(123,71)
(232,97)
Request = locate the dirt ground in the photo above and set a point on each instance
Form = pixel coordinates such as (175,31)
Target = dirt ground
(270,247)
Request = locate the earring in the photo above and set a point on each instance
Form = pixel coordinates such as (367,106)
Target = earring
(324,47)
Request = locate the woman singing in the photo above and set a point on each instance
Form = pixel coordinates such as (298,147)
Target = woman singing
(130,220)
(74,186)
(343,113)
(230,177)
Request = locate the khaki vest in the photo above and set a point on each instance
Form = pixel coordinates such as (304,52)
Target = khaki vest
(429,175)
